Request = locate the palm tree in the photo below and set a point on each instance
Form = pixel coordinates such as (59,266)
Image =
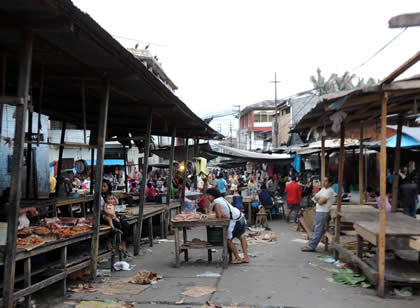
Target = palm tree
(321,86)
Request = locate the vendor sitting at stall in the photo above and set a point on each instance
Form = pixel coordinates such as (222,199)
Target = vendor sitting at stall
(237,224)
(108,216)
(150,193)
(23,220)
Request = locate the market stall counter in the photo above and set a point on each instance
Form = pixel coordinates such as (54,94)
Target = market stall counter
(185,221)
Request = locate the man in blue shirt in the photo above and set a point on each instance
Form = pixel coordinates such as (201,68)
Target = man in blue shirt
(221,185)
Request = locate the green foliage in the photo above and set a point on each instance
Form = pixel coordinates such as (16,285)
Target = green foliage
(336,83)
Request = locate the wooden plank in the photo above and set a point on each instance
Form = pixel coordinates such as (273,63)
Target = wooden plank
(150,222)
(27,270)
(366,234)
(177,248)
(397,160)
(92,164)
(83,88)
(361,166)
(402,85)
(125,168)
(96,208)
(382,211)
(405,20)
(405,66)
(11,100)
(25,64)
(415,242)
(137,235)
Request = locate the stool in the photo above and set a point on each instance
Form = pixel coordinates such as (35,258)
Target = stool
(261,219)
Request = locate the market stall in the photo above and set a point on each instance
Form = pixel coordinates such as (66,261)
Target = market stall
(77,74)
(390,101)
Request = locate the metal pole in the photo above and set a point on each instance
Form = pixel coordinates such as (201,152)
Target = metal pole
(276,123)
(101,137)
(25,65)
(137,235)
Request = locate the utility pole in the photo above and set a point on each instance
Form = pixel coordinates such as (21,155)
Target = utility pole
(239,126)
(231,137)
(276,121)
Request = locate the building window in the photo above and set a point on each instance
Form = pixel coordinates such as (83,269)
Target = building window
(263,116)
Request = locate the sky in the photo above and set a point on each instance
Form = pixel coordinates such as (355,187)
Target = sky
(225,53)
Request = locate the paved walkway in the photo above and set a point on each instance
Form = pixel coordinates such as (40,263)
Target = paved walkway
(279,275)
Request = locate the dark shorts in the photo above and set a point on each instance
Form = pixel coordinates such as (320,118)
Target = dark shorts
(240,228)
(294,207)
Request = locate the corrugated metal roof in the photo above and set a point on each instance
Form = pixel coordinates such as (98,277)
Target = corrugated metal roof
(70,46)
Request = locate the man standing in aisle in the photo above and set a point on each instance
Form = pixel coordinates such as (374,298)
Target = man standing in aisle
(294,197)
(324,200)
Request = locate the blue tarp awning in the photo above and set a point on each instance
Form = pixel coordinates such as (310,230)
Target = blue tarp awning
(406,141)
(109,162)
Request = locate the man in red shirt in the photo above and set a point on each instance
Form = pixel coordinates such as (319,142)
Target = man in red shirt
(294,197)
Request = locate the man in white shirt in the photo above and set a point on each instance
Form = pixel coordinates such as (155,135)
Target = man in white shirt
(324,200)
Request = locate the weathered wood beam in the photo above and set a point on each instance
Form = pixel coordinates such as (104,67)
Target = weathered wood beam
(101,137)
(137,235)
(397,161)
(401,69)
(25,66)
(382,211)
(340,186)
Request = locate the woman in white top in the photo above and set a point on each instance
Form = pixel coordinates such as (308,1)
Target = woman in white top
(237,225)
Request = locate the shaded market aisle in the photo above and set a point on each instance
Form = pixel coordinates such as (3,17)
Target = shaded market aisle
(279,275)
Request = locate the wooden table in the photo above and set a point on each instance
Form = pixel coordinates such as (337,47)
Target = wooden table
(247,203)
(69,201)
(217,222)
(399,229)
(149,211)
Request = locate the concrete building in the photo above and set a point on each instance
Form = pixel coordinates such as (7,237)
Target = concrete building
(255,120)
(289,112)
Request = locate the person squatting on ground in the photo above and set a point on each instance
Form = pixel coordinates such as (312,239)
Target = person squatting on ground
(324,200)
(237,225)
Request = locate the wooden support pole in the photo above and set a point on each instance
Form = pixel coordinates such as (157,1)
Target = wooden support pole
(397,161)
(60,158)
(96,208)
(84,110)
(185,174)
(3,87)
(171,169)
(382,211)
(92,165)
(25,64)
(340,186)
(29,158)
(137,235)
(361,172)
(125,168)
(322,158)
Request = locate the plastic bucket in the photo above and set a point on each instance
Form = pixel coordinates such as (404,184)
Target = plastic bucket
(215,235)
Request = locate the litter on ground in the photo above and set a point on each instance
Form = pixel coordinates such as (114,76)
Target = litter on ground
(198,291)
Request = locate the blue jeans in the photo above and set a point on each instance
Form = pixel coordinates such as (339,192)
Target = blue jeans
(188,207)
(319,228)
